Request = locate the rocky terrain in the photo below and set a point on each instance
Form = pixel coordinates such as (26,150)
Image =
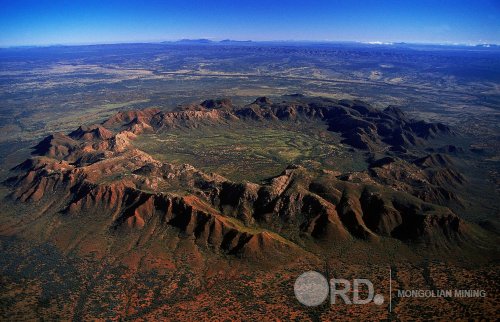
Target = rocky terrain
(92,194)
(96,169)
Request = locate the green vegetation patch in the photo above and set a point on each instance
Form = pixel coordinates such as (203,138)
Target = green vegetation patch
(250,151)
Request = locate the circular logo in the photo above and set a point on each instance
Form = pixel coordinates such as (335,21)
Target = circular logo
(311,288)
(378,299)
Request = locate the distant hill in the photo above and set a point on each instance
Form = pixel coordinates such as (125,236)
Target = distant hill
(201,41)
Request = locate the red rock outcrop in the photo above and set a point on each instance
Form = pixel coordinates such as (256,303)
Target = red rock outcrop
(96,171)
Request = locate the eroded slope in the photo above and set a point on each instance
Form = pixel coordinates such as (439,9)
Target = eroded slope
(95,172)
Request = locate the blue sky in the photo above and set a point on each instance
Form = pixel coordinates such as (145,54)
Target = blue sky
(77,22)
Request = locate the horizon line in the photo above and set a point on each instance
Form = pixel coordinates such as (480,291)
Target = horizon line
(213,41)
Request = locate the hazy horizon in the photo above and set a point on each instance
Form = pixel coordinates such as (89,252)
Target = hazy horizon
(33,23)
(284,41)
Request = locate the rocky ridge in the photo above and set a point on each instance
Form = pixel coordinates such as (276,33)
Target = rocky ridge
(95,170)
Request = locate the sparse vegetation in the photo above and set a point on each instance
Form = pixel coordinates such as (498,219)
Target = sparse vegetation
(253,151)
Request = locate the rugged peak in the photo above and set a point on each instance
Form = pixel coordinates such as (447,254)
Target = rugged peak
(428,130)
(361,125)
(56,145)
(395,111)
(222,103)
(434,160)
(263,101)
(91,133)
(126,117)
